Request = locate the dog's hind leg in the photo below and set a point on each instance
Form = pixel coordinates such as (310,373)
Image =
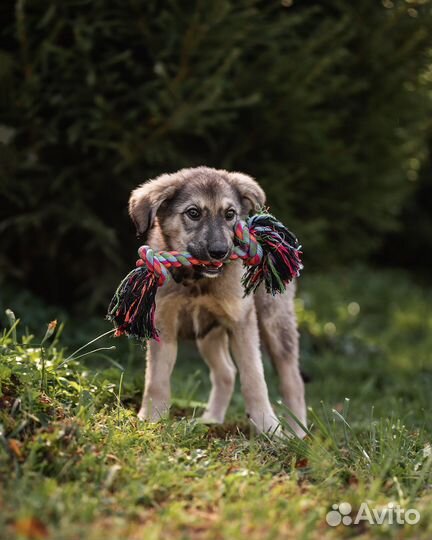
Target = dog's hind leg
(278,329)
(214,349)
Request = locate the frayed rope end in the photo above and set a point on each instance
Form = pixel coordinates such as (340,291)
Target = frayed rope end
(132,308)
(281,259)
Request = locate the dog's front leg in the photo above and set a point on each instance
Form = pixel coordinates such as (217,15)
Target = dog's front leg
(246,350)
(156,401)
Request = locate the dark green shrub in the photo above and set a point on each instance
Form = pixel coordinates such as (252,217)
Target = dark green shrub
(321,101)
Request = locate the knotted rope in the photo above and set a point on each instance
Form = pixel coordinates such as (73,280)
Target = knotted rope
(268,249)
(159,262)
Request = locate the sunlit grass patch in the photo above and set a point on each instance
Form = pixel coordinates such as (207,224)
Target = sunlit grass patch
(75,462)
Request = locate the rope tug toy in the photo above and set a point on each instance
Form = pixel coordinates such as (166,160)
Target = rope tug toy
(268,249)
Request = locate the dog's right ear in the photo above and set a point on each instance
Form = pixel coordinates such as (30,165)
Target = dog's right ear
(146,199)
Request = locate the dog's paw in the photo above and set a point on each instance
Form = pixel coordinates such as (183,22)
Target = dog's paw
(297,431)
(275,430)
(151,414)
(208,418)
(268,424)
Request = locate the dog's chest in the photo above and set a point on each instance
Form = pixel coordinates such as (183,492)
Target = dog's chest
(223,306)
(197,305)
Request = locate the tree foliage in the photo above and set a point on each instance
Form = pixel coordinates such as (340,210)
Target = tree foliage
(325,103)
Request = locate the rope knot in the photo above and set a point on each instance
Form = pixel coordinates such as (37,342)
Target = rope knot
(247,247)
(153,261)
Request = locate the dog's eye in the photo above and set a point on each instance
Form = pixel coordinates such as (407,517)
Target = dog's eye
(230,214)
(193,213)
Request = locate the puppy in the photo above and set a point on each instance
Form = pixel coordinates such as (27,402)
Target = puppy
(196,210)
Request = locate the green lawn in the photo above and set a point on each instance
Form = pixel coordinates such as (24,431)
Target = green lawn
(75,463)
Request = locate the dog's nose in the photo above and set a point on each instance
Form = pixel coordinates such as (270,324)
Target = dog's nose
(218,251)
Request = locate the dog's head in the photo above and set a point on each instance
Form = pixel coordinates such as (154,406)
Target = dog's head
(196,210)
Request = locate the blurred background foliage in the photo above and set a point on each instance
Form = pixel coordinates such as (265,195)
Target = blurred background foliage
(328,104)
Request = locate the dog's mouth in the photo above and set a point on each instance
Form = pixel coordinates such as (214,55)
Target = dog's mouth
(184,275)
(210,271)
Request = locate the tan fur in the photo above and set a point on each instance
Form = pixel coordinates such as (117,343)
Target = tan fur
(212,309)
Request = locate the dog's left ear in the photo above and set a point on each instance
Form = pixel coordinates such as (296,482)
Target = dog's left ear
(251,193)
(146,199)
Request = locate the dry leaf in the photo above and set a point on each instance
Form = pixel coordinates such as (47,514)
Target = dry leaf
(15,447)
(353,480)
(31,528)
(302,463)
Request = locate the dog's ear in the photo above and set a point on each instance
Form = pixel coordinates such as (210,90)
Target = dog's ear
(251,193)
(146,199)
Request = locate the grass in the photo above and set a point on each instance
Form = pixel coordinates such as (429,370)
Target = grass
(75,462)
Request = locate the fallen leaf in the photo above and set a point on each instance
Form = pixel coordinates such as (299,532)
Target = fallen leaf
(353,480)
(15,447)
(31,528)
(302,463)
(43,398)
